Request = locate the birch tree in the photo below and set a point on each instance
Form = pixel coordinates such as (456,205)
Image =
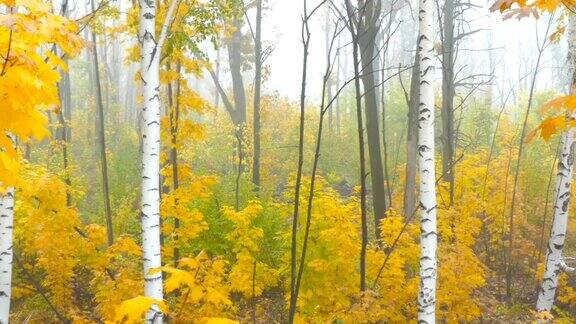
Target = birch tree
(150,48)
(555,264)
(6,222)
(428,236)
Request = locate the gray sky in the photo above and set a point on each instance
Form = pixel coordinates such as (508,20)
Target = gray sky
(512,40)
(513,43)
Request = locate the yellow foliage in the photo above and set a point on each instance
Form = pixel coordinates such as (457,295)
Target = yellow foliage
(176,208)
(544,316)
(56,245)
(248,275)
(45,228)
(394,296)
(552,126)
(200,286)
(566,293)
(523,8)
(116,274)
(330,278)
(133,310)
(217,320)
(27,78)
(567,103)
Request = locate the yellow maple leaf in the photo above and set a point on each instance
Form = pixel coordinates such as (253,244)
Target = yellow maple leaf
(549,127)
(548,5)
(563,102)
(132,310)
(178,278)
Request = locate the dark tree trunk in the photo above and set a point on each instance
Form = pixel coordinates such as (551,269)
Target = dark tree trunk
(102,141)
(217,97)
(294,288)
(66,100)
(257,85)
(174,118)
(329,83)
(412,142)
(448,92)
(235,60)
(337,106)
(367,32)
(357,32)
(364,221)
(236,110)
(64,94)
(64,115)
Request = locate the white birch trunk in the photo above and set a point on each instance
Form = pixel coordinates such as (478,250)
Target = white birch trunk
(547,291)
(554,261)
(150,74)
(428,236)
(6,223)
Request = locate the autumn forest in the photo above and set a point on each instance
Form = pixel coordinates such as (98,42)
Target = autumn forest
(287,161)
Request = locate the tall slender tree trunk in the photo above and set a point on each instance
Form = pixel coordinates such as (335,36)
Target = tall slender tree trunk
(102,141)
(363,218)
(239,139)
(547,291)
(315,163)
(65,133)
(367,32)
(238,111)
(174,103)
(65,160)
(6,253)
(257,85)
(448,92)
(329,83)
(64,114)
(235,61)
(150,202)
(428,205)
(554,261)
(338,112)
(383,106)
(90,72)
(412,140)
(66,99)
(297,186)
(105,81)
(217,73)
(64,87)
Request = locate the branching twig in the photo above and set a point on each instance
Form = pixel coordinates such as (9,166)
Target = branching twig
(39,289)
(397,239)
